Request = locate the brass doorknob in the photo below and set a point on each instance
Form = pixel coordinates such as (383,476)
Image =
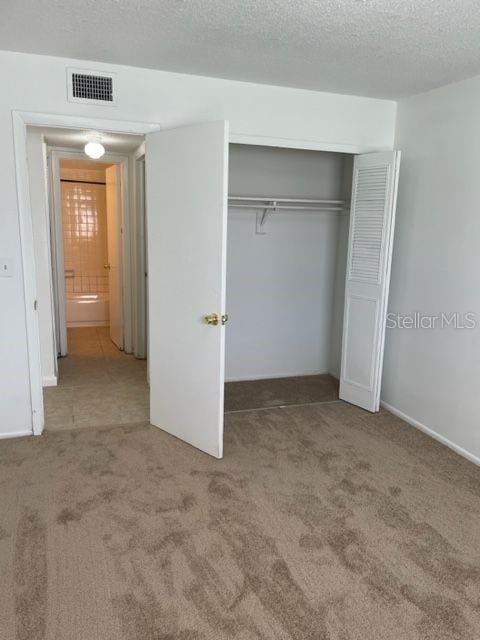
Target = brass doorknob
(107,267)
(212,318)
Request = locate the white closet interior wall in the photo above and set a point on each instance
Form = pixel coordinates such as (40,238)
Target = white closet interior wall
(285,288)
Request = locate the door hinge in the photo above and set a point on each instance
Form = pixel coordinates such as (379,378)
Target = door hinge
(35,305)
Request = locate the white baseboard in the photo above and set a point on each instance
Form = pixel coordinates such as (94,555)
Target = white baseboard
(273,376)
(430,432)
(49,381)
(18,434)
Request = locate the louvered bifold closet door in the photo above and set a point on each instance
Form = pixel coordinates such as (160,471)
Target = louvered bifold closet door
(372,215)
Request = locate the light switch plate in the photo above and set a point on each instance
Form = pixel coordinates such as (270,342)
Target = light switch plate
(5,268)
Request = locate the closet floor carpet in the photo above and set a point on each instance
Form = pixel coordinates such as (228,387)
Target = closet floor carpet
(321,522)
(274,392)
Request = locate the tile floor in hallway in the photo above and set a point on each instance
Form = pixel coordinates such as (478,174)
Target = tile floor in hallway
(98,384)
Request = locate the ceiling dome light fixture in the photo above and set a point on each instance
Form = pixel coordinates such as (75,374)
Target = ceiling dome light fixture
(94,147)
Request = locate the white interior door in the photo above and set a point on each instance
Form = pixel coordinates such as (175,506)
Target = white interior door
(372,216)
(114,250)
(186,197)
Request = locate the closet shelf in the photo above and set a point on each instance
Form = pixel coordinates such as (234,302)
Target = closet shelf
(269,204)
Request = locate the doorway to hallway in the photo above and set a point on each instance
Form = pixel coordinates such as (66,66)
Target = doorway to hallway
(98,383)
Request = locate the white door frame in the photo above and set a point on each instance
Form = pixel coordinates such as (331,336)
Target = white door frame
(20,121)
(57,265)
(139,290)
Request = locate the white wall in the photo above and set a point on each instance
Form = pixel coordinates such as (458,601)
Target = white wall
(280,285)
(433,376)
(38,83)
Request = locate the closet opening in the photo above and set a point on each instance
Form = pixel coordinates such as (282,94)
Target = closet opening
(287,243)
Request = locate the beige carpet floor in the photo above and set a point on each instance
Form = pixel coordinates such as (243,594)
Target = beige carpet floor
(257,394)
(98,384)
(321,522)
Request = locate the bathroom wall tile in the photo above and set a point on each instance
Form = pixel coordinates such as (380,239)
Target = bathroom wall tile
(84,224)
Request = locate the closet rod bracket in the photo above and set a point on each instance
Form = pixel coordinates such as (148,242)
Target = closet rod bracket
(262,217)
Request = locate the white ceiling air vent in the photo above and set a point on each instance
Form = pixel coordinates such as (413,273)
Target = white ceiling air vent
(91,87)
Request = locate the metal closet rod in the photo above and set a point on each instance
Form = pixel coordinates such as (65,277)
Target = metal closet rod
(264,206)
(275,207)
(269,203)
(271,199)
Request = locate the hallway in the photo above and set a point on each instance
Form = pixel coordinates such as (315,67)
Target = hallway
(98,385)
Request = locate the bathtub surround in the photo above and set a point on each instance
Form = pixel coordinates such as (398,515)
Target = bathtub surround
(84,227)
(85,284)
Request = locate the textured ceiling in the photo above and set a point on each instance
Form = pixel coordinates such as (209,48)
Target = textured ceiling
(382,48)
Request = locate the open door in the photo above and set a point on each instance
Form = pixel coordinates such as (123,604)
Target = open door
(186,197)
(372,216)
(114,251)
